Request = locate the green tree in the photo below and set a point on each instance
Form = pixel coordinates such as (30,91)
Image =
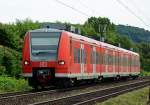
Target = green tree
(22,26)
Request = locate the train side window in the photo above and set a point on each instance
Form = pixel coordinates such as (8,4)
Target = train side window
(97,58)
(84,56)
(106,59)
(91,55)
(109,59)
(101,58)
(93,59)
(132,61)
(79,55)
(120,62)
(135,61)
(114,60)
(117,61)
(129,62)
(123,62)
(76,55)
(122,59)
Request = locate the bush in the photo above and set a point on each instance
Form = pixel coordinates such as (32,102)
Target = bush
(2,70)
(144,73)
(9,84)
(11,61)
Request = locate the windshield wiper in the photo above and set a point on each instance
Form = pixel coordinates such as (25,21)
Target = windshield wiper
(39,52)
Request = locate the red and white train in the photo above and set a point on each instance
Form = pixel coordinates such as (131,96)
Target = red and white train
(58,57)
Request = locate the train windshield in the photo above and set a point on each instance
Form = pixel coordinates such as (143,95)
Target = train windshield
(44,45)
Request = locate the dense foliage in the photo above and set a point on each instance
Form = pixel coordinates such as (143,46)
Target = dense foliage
(9,84)
(138,35)
(11,40)
(144,50)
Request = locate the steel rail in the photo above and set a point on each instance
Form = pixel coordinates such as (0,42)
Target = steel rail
(27,98)
(86,97)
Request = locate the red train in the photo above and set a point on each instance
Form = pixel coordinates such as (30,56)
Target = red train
(58,57)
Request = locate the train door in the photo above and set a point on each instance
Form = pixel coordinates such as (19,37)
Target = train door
(130,63)
(82,53)
(106,60)
(98,61)
(127,69)
(114,62)
(94,60)
(75,67)
(117,62)
(102,53)
(110,61)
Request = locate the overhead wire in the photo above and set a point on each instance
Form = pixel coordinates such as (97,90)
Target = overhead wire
(91,9)
(73,8)
(132,12)
(139,10)
(87,7)
(119,1)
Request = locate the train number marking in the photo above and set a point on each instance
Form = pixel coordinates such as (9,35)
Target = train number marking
(43,64)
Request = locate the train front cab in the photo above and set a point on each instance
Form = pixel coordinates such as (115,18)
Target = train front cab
(45,55)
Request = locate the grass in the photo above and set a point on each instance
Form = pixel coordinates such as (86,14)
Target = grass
(138,97)
(11,84)
(145,73)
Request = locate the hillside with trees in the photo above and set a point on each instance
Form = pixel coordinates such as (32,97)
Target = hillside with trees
(138,35)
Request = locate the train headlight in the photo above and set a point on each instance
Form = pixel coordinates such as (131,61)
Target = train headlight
(61,62)
(26,62)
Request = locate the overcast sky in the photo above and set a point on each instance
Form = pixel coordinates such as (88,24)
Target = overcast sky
(51,10)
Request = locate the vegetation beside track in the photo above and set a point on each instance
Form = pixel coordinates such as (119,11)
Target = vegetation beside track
(145,73)
(11,84)
(138,97)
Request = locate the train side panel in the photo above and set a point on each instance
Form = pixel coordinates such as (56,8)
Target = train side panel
(27,70)
(63,55)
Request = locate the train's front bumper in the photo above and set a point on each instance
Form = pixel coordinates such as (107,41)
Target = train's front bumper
(36,66)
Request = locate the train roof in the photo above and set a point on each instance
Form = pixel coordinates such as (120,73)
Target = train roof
(46,30)
(80,37)
(106,45)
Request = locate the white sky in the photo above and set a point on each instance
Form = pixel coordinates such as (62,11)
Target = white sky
(50,11)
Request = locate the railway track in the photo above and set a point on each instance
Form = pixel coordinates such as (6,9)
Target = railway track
(8,94)
(90,98)
(33,97)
